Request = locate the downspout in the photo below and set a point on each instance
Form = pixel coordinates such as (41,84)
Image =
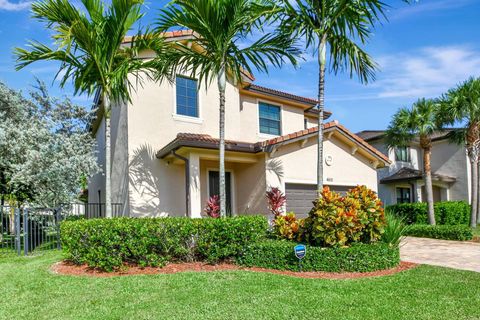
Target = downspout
(187,180)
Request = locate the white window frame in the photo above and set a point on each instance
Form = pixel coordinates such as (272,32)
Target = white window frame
(181,117)
(266,135)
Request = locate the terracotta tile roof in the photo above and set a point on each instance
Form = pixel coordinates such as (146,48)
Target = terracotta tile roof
(208,142)
(327,126)
(277,93)
(274,92)
(409,174)
(205,141)
(368,135)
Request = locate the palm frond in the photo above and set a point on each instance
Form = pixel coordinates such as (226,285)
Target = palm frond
(410,123)
(224,28)
(88,43)
(348,56)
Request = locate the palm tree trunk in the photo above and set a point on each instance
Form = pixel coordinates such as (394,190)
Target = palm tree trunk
(478,192)
(474,195)
(221,89)
(108,177)
(427,168)
(321,106)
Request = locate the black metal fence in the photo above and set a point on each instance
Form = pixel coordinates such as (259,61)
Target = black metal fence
(27,230)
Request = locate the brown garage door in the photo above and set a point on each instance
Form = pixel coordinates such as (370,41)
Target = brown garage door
(300,197)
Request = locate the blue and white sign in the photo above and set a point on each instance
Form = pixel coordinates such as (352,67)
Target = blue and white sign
(300,251)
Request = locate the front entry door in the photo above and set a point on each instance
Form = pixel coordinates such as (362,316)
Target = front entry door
(214,188)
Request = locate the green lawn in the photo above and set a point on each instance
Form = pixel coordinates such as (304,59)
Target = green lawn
(30,291)
(476,231)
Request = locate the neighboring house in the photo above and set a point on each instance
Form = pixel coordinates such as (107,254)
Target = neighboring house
(165,149)
(403,180)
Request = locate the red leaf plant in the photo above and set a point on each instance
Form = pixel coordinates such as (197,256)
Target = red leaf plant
(212,209)
(276,200)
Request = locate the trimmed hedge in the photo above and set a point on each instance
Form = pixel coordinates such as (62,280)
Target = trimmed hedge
(440,232)
(446,213)
(110,243)
(278,254)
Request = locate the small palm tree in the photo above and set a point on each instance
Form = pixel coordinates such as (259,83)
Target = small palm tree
(222,28)
(335,26)
(408,124)
(462,105)
(89,45)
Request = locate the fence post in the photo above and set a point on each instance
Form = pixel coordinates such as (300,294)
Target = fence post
(58,213)
(26,232)
(17,231)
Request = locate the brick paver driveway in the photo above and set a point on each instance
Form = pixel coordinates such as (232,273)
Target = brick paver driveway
(445,253)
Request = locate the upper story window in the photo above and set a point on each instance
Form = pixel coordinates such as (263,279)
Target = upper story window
(270,122)
(402,154)
(187,96)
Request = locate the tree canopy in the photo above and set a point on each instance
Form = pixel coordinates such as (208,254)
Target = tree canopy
(46,150)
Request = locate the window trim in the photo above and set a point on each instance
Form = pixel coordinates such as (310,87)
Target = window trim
(401,191)
(266,135)
(181,117)
(408,151)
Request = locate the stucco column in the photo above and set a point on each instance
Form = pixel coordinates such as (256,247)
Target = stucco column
(418,192)
(195,191)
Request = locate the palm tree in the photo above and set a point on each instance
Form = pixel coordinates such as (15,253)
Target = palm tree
(222,28)
(408,124)
(333,26)
(89,46)
(462,105)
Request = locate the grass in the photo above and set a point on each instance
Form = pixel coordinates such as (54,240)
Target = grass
(30,290)
(476,231)
(476,234)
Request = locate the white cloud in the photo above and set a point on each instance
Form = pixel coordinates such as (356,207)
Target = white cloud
(427,72)
(14,6)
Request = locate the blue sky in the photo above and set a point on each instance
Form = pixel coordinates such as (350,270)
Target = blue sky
(425,49)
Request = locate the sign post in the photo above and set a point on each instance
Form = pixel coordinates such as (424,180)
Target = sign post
(300,252)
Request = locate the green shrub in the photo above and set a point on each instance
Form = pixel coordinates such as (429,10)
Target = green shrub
(394,230)
(278,254)
(440,232)
(337,221)
(372,211)
(287,226)
(110,243)
(452,213)
(446,213)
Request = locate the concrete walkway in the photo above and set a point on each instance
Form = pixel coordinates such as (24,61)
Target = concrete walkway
(445,253)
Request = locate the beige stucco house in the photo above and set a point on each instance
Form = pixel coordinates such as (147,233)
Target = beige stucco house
(165,149)
(402,181)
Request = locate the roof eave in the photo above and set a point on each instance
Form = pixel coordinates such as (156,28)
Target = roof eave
(184,143)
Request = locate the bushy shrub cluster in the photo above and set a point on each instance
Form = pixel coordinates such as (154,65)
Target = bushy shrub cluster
(339,221)
(446,232)
(287,226)
(279,254)
(110,243)
(446,213)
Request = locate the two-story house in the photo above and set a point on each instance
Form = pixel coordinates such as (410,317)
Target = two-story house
(402,181)
(165,148)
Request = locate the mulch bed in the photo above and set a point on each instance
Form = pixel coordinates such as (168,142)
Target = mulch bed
(68,268)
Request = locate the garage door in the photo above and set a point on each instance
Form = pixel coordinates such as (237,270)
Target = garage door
(301,196)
